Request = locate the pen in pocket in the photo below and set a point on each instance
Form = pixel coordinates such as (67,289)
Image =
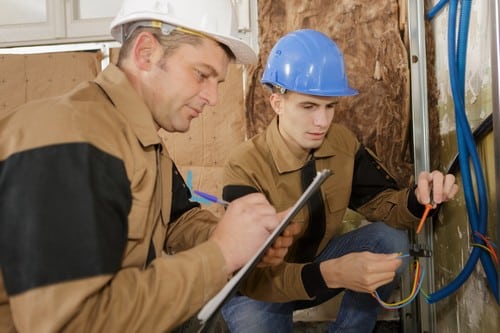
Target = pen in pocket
(211,198)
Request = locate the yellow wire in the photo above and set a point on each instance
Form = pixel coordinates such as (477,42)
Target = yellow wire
(413,291)
(481,246)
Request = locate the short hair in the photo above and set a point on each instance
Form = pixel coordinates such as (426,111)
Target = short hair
(169,42)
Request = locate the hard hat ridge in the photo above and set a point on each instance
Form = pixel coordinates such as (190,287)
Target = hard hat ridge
(309,62)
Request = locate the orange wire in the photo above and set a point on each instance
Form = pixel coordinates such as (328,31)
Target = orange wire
(489,246)
(428,207)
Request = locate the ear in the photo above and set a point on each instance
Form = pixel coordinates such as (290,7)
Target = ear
(277,103)
(144,49)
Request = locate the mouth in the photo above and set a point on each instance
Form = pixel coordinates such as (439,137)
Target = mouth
(194,112)
(316,135)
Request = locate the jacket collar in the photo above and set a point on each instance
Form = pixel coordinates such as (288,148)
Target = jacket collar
(127,102)
(283,158)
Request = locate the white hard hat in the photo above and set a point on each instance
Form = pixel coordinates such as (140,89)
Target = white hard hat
(214,18)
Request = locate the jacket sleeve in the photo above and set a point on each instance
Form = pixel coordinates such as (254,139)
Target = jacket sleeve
(376,195)
(281,283)
(191,228)
(274,284)
(63,233)
(157,299)
(189,224)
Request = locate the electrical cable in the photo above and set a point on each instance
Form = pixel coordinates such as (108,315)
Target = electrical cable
(484,128)
(416,287)
(434,10)
(490,247)
(467,152)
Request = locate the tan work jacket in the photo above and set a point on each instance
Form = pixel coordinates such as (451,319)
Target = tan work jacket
(266,164)
(86,197)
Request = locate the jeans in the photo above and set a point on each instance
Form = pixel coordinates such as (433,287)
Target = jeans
(358,311)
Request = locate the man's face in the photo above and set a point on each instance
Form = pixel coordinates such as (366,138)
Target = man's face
(303,119)
(180,85)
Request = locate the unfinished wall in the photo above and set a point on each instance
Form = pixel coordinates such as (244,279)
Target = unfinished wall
(371,34)
(27,77)
(472,308)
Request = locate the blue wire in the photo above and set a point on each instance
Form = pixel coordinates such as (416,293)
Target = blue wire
(417,291)
(486,259)
(467,150)
(434,10)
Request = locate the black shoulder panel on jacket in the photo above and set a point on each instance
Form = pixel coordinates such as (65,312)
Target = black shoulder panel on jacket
(233,192)
(180,196)
(63,215)
(369,178)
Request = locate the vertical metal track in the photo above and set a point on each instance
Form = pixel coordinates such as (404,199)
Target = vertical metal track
(423,316)
(495,76)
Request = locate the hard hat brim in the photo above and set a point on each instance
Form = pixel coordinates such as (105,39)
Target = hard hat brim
(243,53)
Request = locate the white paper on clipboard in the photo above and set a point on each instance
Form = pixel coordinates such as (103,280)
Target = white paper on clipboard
(230,288)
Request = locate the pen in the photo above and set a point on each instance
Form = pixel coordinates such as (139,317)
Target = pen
(211,198)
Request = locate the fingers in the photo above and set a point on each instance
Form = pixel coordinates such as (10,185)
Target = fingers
(360,271)
(435,187)
(423,190)
(273,256)
(450,188)
(277,252)
(281,215)
(292,229)
(374,281)
(244,227)
(383,273)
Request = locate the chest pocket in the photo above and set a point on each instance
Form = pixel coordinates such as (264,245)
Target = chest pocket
(336,201)
(137,220)
(145,199)
(301,218)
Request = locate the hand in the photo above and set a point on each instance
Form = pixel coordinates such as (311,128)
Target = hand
(360,271)
(277,252)
(443,187)
(245,226)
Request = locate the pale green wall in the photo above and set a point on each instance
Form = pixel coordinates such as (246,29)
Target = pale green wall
(472,308)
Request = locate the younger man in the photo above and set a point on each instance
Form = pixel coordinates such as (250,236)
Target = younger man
(305,72)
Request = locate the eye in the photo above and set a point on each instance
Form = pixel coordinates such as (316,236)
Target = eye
(308,106)
(201,75)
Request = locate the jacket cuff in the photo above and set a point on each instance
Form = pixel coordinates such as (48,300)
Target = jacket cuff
(312,279)
(415,207)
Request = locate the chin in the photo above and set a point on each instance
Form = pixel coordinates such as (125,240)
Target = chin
(314,145)
(181,127)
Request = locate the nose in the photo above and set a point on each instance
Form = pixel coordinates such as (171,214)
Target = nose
(321,118)
(209,92)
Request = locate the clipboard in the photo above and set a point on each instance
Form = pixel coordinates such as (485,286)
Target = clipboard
(211,307)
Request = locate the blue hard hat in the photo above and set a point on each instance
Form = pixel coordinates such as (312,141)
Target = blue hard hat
(308,62)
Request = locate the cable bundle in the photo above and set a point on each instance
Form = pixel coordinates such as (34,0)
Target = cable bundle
(418,273)
(467,152)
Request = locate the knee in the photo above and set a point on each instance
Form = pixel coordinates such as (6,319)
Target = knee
(391,239)
(395,241)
